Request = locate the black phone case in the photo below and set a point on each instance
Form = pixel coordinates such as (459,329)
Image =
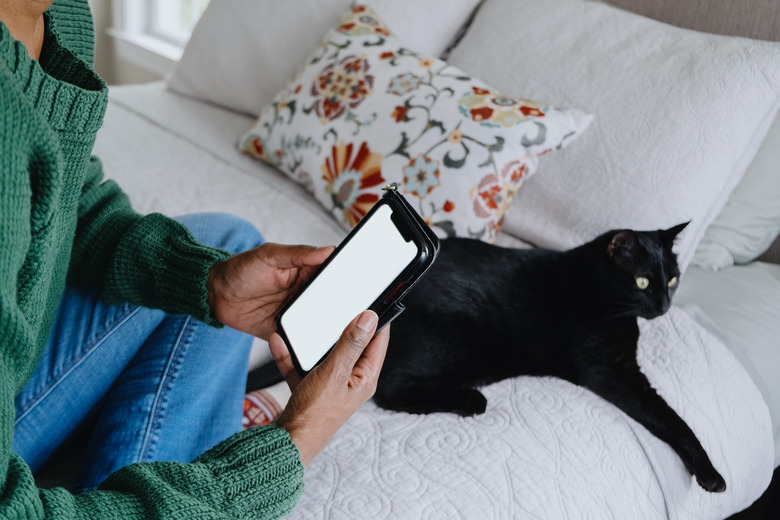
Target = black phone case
(388,305)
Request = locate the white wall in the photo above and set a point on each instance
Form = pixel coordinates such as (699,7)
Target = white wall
(113,69)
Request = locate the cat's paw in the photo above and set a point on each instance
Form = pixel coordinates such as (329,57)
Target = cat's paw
(474,403)
(710,480)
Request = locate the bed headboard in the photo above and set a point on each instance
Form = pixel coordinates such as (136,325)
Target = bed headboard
(773,253)
(759,19)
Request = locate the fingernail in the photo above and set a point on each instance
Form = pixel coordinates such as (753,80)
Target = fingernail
(367,321)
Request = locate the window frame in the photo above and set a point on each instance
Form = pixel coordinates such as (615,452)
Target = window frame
(137,42)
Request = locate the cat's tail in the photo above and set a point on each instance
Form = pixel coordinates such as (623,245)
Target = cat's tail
(263,377)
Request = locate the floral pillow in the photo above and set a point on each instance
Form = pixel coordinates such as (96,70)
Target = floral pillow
(365,111)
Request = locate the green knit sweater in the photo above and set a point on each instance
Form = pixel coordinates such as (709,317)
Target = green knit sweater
(59,221)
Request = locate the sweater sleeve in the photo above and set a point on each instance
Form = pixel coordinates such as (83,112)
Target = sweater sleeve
(149,260)
(254,474)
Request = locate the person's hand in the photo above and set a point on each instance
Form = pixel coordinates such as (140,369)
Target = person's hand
(332,391)
(247,291)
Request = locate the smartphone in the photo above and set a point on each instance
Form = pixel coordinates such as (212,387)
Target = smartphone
(373,268)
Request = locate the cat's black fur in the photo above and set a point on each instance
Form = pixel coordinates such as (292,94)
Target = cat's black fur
(485,313)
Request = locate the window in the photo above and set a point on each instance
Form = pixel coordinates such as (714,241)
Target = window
(174,20)
(152,33)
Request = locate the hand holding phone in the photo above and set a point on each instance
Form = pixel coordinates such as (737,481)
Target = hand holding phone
(319,406)
(373,268)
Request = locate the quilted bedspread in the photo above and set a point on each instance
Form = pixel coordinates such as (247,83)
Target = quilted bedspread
(548,449)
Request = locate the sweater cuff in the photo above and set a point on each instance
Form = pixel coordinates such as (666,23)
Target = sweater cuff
(183,289)
(160,264)
(256,473)
(275,482)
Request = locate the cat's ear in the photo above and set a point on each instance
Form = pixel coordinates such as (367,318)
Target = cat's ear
(668,235)
(622,248)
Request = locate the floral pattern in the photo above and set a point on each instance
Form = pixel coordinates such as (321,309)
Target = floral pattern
(404,83)
(492,109)
(421,176)
(349,174)
(362,21)
(259,149)
(341,86)
(493,195)
(366,111)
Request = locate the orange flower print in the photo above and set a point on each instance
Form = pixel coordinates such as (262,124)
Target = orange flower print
(340,86)
(481,113)
(258,148)
(492,109)
(349,172)
(362,21)
(455,137)
(399,113)
(426,63)
(514,171)
(386,55)
(448,206)
(531,110)
(493,195)
(488,196)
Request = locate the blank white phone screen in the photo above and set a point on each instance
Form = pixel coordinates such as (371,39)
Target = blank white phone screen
(350,283)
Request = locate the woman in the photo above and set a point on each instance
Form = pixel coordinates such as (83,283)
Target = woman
(152,375)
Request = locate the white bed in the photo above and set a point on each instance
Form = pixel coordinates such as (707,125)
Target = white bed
(544,448)
(542,441)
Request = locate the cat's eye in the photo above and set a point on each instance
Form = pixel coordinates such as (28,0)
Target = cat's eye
(672,282)
(642,282)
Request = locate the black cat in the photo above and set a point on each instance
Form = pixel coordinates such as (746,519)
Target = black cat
(485,313)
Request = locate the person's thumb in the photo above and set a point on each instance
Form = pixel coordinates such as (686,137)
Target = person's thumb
(352,342)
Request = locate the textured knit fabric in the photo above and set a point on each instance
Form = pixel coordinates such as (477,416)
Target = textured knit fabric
(59,221)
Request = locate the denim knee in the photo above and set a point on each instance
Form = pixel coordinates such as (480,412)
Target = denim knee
(223,230)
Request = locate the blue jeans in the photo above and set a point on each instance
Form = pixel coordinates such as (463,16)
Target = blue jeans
(145,385)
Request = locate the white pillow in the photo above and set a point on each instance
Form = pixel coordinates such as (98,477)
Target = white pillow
(367,110)
(679,115)
(242,52)
(750,221)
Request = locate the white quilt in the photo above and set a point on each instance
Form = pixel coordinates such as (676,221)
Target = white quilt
(544,448)
(550,450)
